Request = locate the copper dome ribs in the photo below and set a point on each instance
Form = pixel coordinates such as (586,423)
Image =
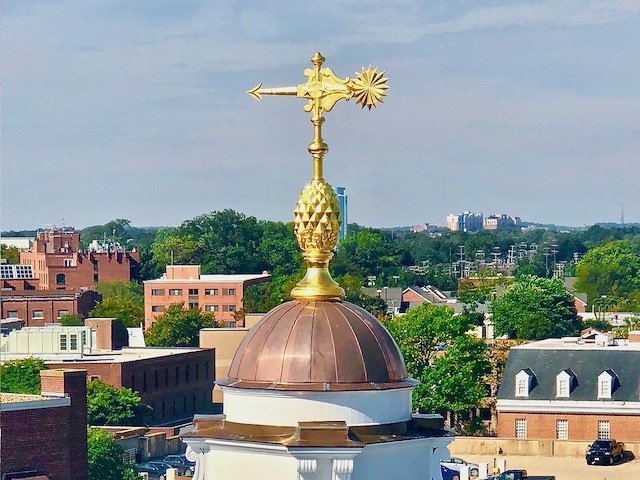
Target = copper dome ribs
(305,345)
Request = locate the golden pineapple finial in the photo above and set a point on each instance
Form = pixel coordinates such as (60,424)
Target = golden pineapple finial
(317,213)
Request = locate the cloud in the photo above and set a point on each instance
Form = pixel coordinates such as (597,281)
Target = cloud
(551,13)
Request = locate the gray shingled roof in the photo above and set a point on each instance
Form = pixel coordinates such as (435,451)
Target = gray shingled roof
(585,364)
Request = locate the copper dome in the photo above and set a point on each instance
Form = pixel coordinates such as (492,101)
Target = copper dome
(318,346)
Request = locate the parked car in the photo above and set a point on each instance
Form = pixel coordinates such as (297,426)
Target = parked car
(604,451)
(455,463)
(180,462)
(519,475)
(448,474)
(154,470)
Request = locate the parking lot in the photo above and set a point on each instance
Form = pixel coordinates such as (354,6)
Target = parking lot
(564,468)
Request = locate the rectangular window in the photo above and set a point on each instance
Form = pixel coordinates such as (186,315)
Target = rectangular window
(563,388)
(96,278)
(37,314)
(95,265)
(228,291)
(562,429)
(211,308)
(521,428)
(522,388)
(62,313)
(177,376)
(228,308)
(604,388)
(194,305)
(206,369)
(175,291)
(73,342)
(187,374)
(133,383)
(156,380)
(157,291)
(144,382)
(197,372)
(604,430)
(68,262)
(193,291)
(166,377)
(12,314)
(63,342)
(157,308)
(211,291)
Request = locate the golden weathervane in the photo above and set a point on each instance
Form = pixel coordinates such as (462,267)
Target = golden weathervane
(317,213)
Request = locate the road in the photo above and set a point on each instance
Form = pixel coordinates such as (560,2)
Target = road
(564,468)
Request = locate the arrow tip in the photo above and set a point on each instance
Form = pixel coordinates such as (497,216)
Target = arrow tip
(255,92)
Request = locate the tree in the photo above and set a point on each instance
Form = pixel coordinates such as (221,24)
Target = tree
(21,376)
(438,352)
(105,457)
(612,269)
(535,308)
(107,405)
(71,320)
(121,300)
(630,324)
(10,254)
(177,327)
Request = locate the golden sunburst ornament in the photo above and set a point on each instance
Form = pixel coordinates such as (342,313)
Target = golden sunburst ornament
(369,87)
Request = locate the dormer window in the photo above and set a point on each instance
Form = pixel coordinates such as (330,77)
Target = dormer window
(565,383)
(524,382)
(606,383)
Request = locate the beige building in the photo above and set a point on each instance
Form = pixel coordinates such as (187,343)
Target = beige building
(220,294)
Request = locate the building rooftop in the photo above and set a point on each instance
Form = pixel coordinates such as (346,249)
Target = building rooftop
(126,354)
(217,278)
(19,397)
(602,342)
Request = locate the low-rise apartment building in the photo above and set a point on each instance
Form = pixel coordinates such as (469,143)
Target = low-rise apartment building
(220,294)
(37,308)
(572,389)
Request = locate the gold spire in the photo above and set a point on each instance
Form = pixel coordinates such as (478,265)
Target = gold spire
(317,213)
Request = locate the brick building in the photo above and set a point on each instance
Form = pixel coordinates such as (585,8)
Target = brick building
(46,434)
(572,389)
(59,264)
(175,382)
(39,307)
(220,294)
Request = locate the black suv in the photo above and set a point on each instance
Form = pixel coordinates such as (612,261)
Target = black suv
(604,451)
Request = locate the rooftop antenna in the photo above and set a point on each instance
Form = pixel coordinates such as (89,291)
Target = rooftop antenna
(622,213)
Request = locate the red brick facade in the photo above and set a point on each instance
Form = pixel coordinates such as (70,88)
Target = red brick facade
(581,427)
(59,265)
(37,307)
(53,439)
(175,386)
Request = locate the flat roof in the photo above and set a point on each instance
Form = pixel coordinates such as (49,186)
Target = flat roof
(18,397)
(575,343)
(216,278)
(127,354)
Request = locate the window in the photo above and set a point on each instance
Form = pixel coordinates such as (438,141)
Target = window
(604,429)
(187,374)
(177,376)
(67,262)
(37,314)
(184,403)
(228,308)
(211,308)
(211,291)
(228,291)
(166,377)
(156,380)
(562,429)
(157,308)
(63,342)
(521,428)
(96,278)
(194,305)
(175,291)
(12,314)
(144,382)
(193,291)
(206,369)
(62,313)
(73,342)
(95,265)
(157,291)
(163,410)
(562,388)
(133,383)
(60,279)
(524,382)
(606,384)
(197,372)
(94,377)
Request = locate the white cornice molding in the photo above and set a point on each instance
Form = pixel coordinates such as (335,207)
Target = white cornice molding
(568,406)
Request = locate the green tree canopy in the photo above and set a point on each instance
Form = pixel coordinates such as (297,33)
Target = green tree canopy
(71,320)
(105,457)
(535,308)
(178,327)
(449,363)
(121,300)
(21,376)
(10,254)
(107,405)
(612,269)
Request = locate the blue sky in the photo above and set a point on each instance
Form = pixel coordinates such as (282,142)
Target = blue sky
(136,109)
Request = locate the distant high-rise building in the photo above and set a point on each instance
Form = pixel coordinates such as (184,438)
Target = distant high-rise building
(342,200)
(467,221)
(501,221)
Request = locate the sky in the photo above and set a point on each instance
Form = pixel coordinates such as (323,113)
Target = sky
(137,109)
